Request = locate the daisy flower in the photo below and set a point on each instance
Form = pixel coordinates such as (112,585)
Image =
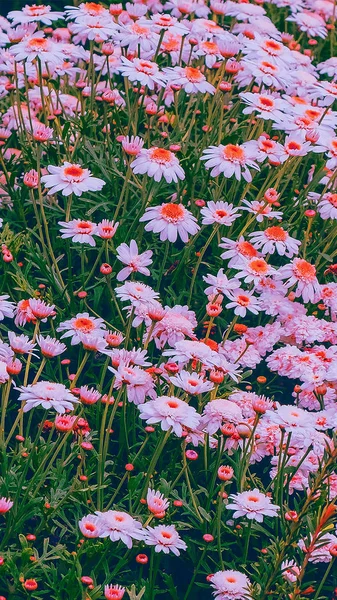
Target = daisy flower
(82,323)
(156,502)
(252,271)
(327,207)
(50,347)
(236,250)
(192,383)
(118,525)
(132,145)
(33,13)
(48,395)
(157,163)
(40,309)
(302,274)
(37,46)
(219,212)
(231,159)
(71,179)
(185,350)
(275,239)
(114,592)
(220,284)
(170,412)
(20,344)
(261,210)
(136,293)
(217,412)
(90,526)
(136,263)
(230,585)
(242,301)
(191,79)
(252,504)
(144,71)
(5,505)
(268,105)
(6,307)
(310,22)
(164,538)
(170,220)
(79,231)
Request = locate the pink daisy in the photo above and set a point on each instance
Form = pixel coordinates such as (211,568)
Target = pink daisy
(170,220)
(157,163)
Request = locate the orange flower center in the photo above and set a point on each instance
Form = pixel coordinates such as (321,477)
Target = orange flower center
(243,300)
(332,198)
(193,75)
(253,499)
(74,172)
(145,67)
(161,156)
(84,227)
(166,535)
(38,43)
(294,146)
(90,527)
(272,46)
(276,233)
(84,325)
(247,249)
(312,114)
(93,9)
(266,102)
(304,270)
(140,30)
(35,10)
(221,213)
(259,266)
(172,212)
(172,404)
(234,153)
(267,67)
(210,47)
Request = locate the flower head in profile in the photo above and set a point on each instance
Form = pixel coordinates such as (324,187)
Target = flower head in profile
(79,231)
(252,504)
(158,163)
(170,412)
(5,505)
(230,585)
(135,263)
(219,212)
(71,179)
(118,525)
(82,323)
(165,539)
(170,220)
(47,394)
(156,502)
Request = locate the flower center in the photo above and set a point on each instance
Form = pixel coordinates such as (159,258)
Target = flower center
(272,47)
(243,300)
(246,249)
(266,102)
(221,213)
(166,535)
(304,270)
(172,212)
(84,227)
(267,67)
(36,11)
(84,325)
(253,499)
(140,30)
(259,266)
(276,233)
(294,146)
(74,172)
(93,9)
(172,404)
(160,155)
(234,153)
(38,44)
(90,527)
(146,67)
(193,74)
